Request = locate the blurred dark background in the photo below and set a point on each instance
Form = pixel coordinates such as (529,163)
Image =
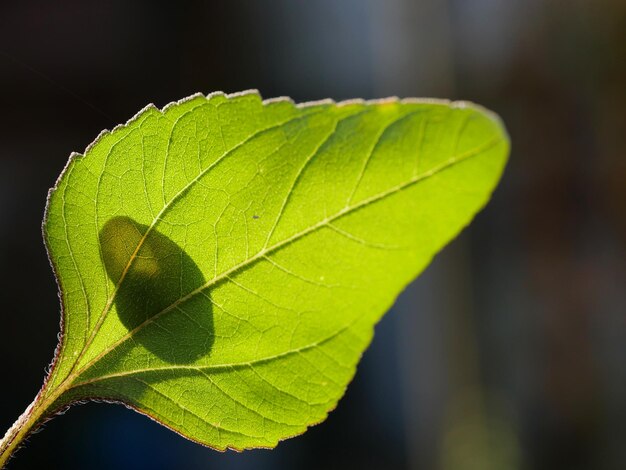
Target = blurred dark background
(509,352)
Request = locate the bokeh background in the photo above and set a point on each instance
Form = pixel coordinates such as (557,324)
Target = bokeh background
(509,352)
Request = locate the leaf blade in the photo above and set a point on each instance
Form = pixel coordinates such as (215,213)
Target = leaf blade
(304,223)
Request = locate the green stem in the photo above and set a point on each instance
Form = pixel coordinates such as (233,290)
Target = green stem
(29,420)
(16,433)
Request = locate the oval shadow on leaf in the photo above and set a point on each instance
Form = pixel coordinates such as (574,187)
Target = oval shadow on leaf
(159,275)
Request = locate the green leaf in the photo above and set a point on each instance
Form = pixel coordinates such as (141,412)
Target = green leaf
(222,263)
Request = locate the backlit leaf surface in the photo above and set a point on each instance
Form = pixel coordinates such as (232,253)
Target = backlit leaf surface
(222,263)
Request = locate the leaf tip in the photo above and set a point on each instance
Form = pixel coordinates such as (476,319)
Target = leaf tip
(493,116)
